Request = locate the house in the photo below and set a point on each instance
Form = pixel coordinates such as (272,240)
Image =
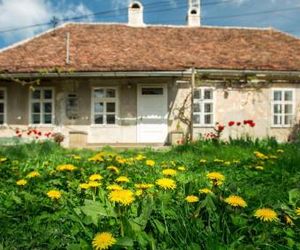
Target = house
(136,83)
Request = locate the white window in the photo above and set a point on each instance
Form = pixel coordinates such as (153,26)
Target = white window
(104,105)
(283,107)
(203,107)
(42,106)
(2,106)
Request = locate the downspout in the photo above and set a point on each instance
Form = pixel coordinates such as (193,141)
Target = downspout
(192,103)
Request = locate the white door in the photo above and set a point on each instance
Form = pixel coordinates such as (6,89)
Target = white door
(152,114)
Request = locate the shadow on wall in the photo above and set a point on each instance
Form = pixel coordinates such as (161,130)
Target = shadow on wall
(294,136)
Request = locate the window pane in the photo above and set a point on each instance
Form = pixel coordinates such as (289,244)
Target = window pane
(36,108)
(208,107)
(47,119)
(110,119)
(110,93)
(99,107)
(152,91)
(36,119)
(197,94)
(99,93)
(98,119)
(196,119)
(1,107)
(288,109)
(1,119)
(208,119)
(277,96)
(288,119)
(110,107)
(36,94)
(288,95)
(197,107)
(48,94)
(277,109)
(277,120)
(208,94)
(47,107)
(1,94)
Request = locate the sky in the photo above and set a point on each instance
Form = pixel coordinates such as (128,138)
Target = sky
(19,14)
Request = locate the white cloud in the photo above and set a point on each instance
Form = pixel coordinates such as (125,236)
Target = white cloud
(16,13)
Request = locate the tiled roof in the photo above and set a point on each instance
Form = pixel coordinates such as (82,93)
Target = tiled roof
(117,47)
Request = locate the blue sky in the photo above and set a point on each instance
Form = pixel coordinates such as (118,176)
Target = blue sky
(19,13)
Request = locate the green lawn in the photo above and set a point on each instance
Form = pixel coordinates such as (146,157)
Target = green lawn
(91,197)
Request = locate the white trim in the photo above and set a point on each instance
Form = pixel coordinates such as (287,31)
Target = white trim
(105,100)
(30,100)
(5,107)
(282,102)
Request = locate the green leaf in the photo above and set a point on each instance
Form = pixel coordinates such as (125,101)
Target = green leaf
(294,196)
(125,242)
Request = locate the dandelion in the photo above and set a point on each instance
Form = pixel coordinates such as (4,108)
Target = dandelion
(103,241)
(122,179)
(113,169)
(192,199)
(140,157)
(280,151)
(266,214)
(181,168)
(288,220)
(84,186)
(138,192)
(298,211)
(216,177)
(114,187)
(205,191)
(218,161)
(259,168)
(227,163)
(95,177)
(66,167)
(143,186)
(94,184)
(169,172)
(203,161)
(124,197)
(54,194)
(150,163)
(260,155)
(33,174)
(76,157)
(3,159)
(235,201)
(166,183)
(21,182)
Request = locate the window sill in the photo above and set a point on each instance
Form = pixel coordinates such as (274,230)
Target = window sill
(41,126)
(105,126)
(281,126)
(203,126)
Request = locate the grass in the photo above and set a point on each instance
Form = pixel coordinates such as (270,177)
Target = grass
(157,218)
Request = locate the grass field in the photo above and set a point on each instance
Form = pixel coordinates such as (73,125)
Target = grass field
(203,195)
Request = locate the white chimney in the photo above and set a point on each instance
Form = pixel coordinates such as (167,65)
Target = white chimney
(135,14)
(194,13)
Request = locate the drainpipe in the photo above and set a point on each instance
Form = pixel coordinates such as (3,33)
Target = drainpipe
(192,103)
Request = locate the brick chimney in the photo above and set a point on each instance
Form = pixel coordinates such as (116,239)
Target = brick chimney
(194,13)
(135,14)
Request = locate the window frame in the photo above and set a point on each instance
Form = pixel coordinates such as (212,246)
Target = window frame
(203,101)
(105,100)
(283,102)
(5,106)
(42,100)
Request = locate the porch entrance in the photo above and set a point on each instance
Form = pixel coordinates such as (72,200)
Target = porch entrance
(152,113)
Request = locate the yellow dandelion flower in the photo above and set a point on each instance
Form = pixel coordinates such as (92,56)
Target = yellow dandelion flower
(260,155)
(166,183)
(227,163)
(150,163)
(138,192)
(143,186)
(3,159)
(273,157)
(235,201)
(66,167)
(94,184)
(236,161)
(113,169)
(288,220)
(280,151)
(114,187)
(96,158)
(203,161)
(169,172)
(266,214)
(140,157)
(122,179)
(124,197)
(298,211)
(218,161)
(95,177)
(103,241)
(33,174)
(216,177)
(259,168)
(21,182)
(84,185)
(181,168)
(205,191)
(54,194)
(192,199)
(76,157)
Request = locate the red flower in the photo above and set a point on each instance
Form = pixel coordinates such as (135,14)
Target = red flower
(238,124)
(19,135)
(252,124)
(39,133)
(231,123)
(221,128)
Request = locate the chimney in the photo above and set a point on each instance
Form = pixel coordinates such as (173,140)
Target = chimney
(135,14)
(194,13)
